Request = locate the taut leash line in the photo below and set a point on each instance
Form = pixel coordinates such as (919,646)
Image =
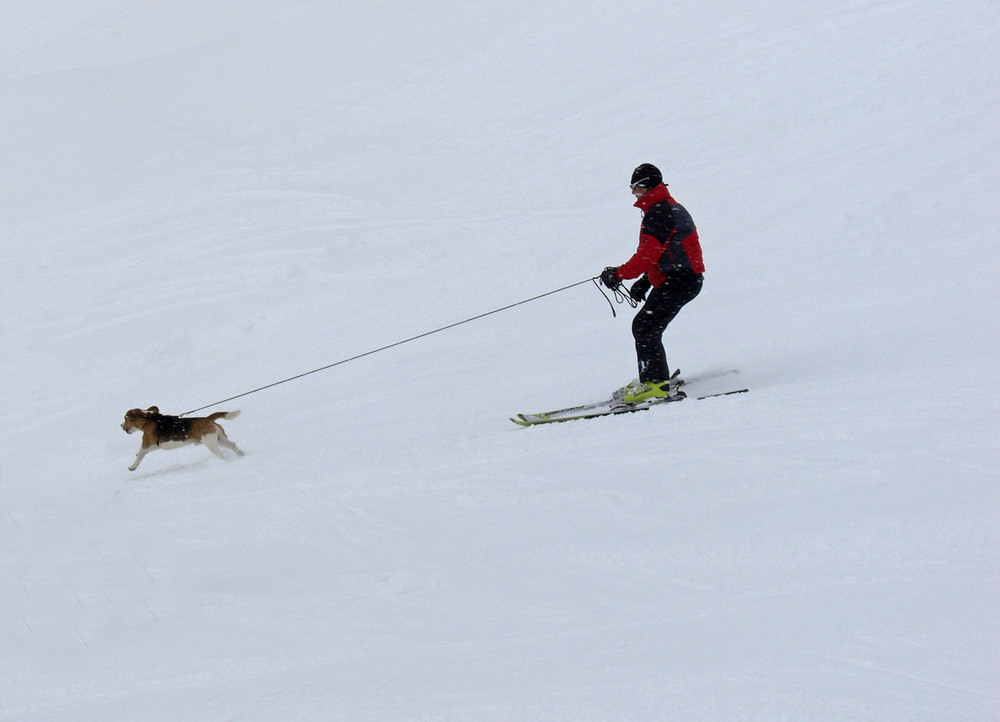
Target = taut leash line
(391,345)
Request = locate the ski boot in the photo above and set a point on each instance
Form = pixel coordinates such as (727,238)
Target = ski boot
(638,391)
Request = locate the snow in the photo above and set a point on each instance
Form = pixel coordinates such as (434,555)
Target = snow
(202,198)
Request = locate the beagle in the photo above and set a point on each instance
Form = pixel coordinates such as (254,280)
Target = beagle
(160,431)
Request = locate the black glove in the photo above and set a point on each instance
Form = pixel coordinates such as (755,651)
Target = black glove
(639,289)
(608,277)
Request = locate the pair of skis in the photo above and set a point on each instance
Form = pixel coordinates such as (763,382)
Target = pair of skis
(612,407)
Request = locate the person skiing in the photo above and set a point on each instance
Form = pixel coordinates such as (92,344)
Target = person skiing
(669,266)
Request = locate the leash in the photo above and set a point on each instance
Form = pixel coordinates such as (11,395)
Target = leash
(617,292)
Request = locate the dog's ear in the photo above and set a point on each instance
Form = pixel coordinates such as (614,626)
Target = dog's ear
(153,410)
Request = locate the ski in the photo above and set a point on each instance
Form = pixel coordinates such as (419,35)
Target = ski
(589,411)
(710,375)
(610,407)
(722,393)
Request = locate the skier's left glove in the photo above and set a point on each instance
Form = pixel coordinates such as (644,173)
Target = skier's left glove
(639,290)
(608,277)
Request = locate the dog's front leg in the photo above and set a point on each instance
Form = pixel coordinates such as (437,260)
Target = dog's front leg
(143,450)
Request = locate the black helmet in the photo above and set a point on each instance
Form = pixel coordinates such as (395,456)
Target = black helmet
(646,175)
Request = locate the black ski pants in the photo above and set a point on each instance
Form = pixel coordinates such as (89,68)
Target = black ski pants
(662,304)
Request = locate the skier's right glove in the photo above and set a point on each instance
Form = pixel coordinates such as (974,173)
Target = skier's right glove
(639,290)
(608,277)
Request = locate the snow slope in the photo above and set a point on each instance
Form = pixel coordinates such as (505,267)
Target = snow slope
(201,198)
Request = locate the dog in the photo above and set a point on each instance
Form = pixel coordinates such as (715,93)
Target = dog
(160,431)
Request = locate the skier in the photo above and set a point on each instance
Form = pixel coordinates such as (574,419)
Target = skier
(669,266)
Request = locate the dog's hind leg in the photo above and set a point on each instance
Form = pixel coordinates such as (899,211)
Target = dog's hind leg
(212,442)
(224,441)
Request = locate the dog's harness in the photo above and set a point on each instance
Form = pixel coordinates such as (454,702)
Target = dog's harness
(171,427)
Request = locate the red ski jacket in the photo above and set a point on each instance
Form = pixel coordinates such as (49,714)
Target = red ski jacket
(668,240)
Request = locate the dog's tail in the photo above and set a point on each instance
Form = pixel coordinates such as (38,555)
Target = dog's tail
(223,415)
